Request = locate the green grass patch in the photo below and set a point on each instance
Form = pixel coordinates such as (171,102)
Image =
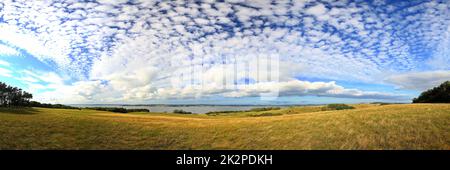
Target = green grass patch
(337,107)
(266,114)
(262,109)
(179,111)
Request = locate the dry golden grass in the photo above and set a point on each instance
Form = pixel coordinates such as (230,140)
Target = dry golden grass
(407,126)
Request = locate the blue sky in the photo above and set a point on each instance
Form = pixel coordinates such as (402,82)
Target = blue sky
(224,52)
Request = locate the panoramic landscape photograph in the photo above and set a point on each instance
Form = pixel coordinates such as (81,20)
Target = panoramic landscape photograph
(225,75)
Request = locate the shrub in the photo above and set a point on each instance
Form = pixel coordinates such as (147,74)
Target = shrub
(215,113)
(264,109)
(381,103)
(266,114)
(337,107)
(440,94)
(179,111)
(110,109)
(137,110)
(118,110)
(47,105)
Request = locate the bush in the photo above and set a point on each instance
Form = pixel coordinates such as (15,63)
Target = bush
(118,110)
(381,103)
(110,109)
(266,114)
(264,109)
(179,111)
(440,94)
(137,110)
(215,113)
(337,107)
(47,105)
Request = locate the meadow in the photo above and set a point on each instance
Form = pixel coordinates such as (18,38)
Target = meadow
(368,126)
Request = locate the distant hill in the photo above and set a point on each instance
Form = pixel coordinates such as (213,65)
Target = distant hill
(440,94)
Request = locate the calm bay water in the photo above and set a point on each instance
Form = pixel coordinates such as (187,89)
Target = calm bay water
(193,108)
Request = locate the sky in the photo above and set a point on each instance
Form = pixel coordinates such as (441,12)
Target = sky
(224,52)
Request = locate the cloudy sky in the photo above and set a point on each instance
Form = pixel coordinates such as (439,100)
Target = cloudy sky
(224,52)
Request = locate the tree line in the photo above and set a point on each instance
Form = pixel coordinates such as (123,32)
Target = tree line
(439,94)
(13,96)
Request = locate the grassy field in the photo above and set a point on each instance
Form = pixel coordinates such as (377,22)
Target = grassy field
(407,126)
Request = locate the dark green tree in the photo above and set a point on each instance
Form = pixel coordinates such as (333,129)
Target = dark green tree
(13,96)
(440,94)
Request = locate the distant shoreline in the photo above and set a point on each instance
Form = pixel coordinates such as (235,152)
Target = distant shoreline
(187,105)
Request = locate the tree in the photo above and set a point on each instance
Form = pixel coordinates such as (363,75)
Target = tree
(27,97)
(3,93)
(440,94)
(13,96)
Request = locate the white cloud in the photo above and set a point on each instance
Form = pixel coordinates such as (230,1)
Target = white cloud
(5,72)
(8,51)
(441,56)
(304,88)
(99,31)
(139,49)
(419,80)
(51,78)
(316,10)
(4,63)
(96,91)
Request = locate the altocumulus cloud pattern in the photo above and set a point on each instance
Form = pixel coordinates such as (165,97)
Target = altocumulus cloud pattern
(136,50)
